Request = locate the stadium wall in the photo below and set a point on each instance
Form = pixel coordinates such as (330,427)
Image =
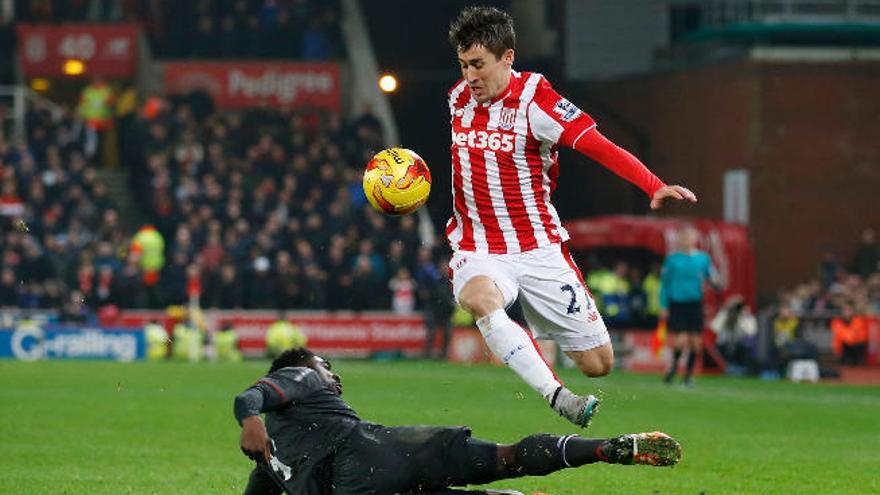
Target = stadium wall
(806,132)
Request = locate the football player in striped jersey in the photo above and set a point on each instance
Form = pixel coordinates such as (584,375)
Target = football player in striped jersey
(508,242)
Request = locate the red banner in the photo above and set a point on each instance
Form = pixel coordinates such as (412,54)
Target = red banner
(331,334)
(727,244)
(105,50)
(256,84)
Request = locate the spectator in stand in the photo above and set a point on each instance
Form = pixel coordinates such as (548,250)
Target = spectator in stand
(403,292)
(867,259)
(149,244)
(396,257)
(785,326)
(616,295)
(8,288)
(850,336)
(130,286)
(829,268)
(285,285)
(11,204)
(96,107)
(258,285)
(339,280)
(435,300)
(174,279)
(365,285)
(225,290)
(75,310)
(873,288)
(103,293)
(736,329)
(785,337)
(651,288)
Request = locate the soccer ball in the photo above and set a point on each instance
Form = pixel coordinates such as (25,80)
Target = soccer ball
(397,181)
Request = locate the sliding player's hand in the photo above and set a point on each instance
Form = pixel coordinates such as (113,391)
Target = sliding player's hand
(255,442)
(674,192)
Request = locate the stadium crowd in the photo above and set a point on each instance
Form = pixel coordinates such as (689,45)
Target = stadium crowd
(842,295)
(270,205)
(59,225)
(300,29)
(628,296)
(253,209)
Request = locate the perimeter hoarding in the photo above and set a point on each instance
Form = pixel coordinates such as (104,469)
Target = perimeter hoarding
(259,84)
(353,334)
(32,342)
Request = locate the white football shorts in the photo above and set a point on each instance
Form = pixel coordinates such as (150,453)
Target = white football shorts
(550,288)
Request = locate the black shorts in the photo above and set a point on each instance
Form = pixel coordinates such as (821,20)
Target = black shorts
(685,317)
(383,460)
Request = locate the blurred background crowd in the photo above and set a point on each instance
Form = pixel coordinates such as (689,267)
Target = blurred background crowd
(214,29)
(254,209)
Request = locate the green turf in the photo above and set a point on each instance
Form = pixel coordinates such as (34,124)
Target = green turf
(93,427)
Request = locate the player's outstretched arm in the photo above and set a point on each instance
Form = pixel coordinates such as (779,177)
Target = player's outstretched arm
(255,442)
(596,146)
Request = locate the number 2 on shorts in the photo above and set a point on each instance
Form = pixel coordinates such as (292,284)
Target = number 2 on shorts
(572,305)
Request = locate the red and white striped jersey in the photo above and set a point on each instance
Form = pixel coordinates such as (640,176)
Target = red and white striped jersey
(504,165)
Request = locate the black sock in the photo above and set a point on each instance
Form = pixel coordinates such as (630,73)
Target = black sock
(539,455)
(692,359)
(536,455)
(676,354)
(578,451)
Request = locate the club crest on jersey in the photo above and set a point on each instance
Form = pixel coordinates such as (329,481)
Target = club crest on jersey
(567,110)
(507,119)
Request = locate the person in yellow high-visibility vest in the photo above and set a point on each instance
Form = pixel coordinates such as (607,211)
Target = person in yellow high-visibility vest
(651,287)
(157,341)
(187,343)
(283,335)
(97,107)
(226,344)
(149,244)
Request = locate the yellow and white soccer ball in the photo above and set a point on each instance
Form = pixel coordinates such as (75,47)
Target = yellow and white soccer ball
(397,181)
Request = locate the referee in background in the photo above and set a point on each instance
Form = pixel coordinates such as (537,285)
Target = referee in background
(681,299)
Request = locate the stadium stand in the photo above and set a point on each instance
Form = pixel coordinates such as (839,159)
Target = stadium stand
(253,29)
(818,317)
(259,208)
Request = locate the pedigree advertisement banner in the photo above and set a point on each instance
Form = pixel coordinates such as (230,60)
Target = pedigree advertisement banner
(259,84)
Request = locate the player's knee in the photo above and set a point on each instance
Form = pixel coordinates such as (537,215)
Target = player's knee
(480,300)
(596,369)
(597,364)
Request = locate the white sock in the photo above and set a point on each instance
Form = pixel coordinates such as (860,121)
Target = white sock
(510,343)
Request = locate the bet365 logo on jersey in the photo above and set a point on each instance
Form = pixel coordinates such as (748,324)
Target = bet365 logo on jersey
(494,141)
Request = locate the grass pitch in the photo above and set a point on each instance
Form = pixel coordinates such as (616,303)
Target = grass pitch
(96,427)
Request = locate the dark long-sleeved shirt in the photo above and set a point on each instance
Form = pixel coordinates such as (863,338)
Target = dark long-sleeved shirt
(306,420)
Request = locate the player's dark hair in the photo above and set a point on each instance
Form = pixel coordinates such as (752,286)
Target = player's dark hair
(297,356)
(485,26)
